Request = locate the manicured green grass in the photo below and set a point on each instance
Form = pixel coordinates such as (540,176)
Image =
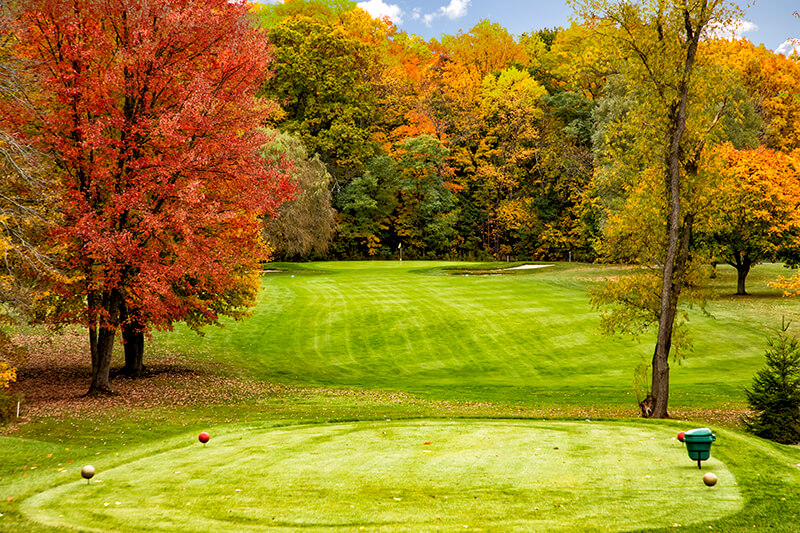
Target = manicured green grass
(530,337)
(518,347)
(599,469)
(501,474)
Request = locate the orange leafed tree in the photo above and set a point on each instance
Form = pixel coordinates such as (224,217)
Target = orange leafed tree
(454,85)
(149,111)
(755,207)
(791,285)
(772,82)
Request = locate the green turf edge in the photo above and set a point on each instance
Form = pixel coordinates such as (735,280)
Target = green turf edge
(733,342)
(768,475)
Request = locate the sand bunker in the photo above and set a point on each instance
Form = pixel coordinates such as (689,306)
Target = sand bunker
(526,267)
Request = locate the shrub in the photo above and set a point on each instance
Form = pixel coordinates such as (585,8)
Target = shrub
(8,402)
(8,374)
(775,392)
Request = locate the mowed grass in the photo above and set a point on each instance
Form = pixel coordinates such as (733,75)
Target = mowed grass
(527,337)
(349,457)
(295,471)
(420,475)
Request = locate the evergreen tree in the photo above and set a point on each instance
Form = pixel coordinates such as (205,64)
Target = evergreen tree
(775,393)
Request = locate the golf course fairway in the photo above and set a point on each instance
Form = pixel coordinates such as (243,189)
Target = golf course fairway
(430,329)
(408,475)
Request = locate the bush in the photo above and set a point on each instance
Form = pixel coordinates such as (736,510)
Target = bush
(775,393)
(8,374)
(8,402)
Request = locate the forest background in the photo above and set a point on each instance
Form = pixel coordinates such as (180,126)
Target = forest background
(483,145)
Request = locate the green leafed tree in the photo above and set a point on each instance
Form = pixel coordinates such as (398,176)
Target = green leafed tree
(424,216)
(367,204)
(269,15)
(304,227)
(321,79)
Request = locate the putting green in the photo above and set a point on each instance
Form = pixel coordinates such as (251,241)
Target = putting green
(473,474)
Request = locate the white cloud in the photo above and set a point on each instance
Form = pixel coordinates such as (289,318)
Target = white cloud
(735,29)
(416,13)
(379,9)
(455,9)
(789,47)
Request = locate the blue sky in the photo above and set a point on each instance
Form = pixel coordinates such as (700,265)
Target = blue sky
(770,22)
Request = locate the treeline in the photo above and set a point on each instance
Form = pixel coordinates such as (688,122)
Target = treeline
(485,145)
(476,145)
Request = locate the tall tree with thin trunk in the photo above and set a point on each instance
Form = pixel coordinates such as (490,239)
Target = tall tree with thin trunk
(149,111)
(658,41)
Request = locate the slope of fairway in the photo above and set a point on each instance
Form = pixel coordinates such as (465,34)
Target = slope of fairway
(403,476)
(527,337)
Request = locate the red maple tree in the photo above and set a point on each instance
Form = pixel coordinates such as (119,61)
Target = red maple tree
(149,111)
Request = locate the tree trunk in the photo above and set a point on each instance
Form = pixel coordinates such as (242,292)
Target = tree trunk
(659,388)
(102,346)
(658,399)
(133,341)
(101,343)
(742,264)
(741,276)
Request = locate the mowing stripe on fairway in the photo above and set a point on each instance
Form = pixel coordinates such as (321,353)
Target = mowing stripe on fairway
(416,328)
(421,475)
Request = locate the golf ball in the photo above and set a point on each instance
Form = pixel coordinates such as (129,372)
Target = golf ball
(710,479)
(203,437)
(87,472)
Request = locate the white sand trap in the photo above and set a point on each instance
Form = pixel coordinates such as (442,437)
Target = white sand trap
(527,267)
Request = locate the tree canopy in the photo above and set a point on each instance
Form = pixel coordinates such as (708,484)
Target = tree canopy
(149,112)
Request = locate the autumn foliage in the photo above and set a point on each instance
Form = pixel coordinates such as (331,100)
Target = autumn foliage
(148,118)
(754,209)
(149,111)
(8,374)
